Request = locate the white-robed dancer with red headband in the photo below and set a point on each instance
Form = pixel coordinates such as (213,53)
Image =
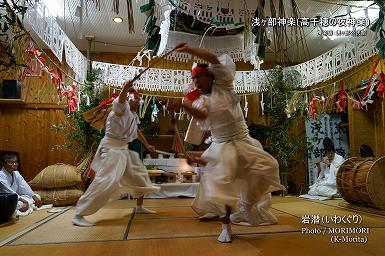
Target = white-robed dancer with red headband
(118,170)
(239,175)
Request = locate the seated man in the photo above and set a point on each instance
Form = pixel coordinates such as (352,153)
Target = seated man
(366,151)
(12,182)
(325,184)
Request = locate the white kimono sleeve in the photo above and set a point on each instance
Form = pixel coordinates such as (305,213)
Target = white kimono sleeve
(24,188)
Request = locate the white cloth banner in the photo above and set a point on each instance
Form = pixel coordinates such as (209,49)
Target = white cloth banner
(156,79)
(49,31)
(316,131)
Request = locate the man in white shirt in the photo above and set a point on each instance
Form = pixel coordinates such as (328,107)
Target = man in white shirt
(325,184)
(12,182)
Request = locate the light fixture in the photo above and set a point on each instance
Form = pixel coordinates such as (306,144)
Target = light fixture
(117,19)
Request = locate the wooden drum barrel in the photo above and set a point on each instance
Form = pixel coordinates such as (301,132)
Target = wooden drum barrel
(362,181)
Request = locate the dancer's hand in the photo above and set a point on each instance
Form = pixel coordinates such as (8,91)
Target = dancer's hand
(123,93)
(151,148)
(181,47)
(128,84)
(191,159)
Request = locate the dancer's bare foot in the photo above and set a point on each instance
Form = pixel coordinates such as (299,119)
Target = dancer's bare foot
(81,221)
(208,217)
(225,236)
(141,209)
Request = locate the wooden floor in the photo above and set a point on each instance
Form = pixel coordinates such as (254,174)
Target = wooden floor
(175,230)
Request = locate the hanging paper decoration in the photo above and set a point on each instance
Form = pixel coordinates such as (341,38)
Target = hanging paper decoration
(157,24)
(144,105)
(262,104)
(246,109)
(164,108)
(72,100)
(146,53)
(312,106)
(381,86)
(87,99)
(155,110)
(130,17)
(29,69)
(357,105)
(180,113)
(369,91)
(55,76)
(377,28)
(342,98)
(79,99)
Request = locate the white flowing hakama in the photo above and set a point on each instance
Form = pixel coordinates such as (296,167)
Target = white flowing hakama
(117,169)
(239,173)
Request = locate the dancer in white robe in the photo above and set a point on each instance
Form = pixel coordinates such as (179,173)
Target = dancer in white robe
(325,183)
(118,170)
(12,182)
(238,172)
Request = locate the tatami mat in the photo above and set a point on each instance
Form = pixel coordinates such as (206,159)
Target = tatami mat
(145,228)
(111,224)
(166,202)
(176,230)
(22,223)
(272,244)
(341,203)
(178,212)
(294,244)
(285,199)
(361,208)
(156,247)
(168,213)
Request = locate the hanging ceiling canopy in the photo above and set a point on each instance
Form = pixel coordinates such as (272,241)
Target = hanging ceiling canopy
(82,18)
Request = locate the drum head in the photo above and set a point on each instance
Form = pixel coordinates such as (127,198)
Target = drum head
(376,183)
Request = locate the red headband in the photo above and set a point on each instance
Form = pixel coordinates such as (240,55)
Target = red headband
(199,69)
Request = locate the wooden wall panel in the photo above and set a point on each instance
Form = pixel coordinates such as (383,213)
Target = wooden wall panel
(26,127)
(28,131)
(362,126)
(379,128)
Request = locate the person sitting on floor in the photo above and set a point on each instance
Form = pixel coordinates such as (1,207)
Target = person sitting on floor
(366,151)
(325,184)
(13,182)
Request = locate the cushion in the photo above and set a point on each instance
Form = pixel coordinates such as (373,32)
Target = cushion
(56,176)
